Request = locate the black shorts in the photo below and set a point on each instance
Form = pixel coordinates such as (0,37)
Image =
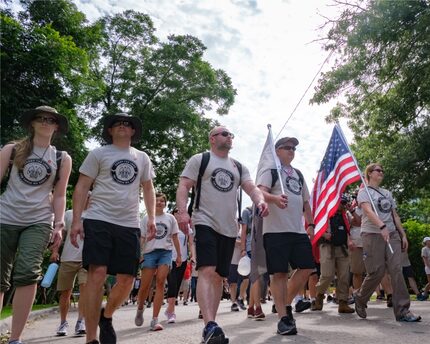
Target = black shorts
(233,275)
(213,249)
(111,245)
(408,271)
(283,249)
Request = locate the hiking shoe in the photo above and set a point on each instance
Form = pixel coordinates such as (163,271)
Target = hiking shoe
(409,317)
(258,314)
(171,317)
(313,306)
(213,334)
(319,302)
(80,328)
(344,307)
(286,326)
(234,307)
(241,304)
(302,305)
(360,309)
(62,329)
(138,319)
(107,332)
(155,325)
(250,312)
(389,300)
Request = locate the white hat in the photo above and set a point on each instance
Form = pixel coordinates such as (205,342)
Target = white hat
(426,239)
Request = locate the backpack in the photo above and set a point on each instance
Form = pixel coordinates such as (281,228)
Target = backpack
(58,158)
(195,193)
(338,230)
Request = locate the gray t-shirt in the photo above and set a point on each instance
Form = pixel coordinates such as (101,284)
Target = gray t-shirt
(218,194)
(28,195)
(384,203)
(355,232)
(247,220)
(117,173)
(166,226)
(289,219)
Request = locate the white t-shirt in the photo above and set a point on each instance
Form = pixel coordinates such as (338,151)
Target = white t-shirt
(218,194)
(384,203)
(183,244)
(288,219)
(117,173)
(166,226)
(237,251)
(71,253)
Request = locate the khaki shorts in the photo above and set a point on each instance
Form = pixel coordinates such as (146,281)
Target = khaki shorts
(67,274)
(22,250)
(356,261)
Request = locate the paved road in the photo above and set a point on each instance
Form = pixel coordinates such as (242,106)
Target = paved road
(314,327)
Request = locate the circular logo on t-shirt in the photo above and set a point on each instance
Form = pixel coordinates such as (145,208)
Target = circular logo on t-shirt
(161,231)
(222,180)
(124,171)
(35,172)
(384,204)
(293,185)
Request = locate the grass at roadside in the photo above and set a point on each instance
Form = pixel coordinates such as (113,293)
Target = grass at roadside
(7,310)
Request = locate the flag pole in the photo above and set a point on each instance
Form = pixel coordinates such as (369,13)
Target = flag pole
(361,176)
(275,157)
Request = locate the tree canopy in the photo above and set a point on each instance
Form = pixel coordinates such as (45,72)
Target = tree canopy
(382,74)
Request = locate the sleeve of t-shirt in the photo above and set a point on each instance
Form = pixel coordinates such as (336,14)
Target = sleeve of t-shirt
(143,226)
(175,227)
(423,252)
(265,179)
(90,166)
(147,169)
(305,192)
(246,176)
(191,170)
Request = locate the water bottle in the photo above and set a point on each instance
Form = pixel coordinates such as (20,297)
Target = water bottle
(49,276)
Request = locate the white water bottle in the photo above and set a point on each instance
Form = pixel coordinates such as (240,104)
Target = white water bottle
(49,276)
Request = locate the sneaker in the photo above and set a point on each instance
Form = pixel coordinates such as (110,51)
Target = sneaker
(241,304)
(314,306)
(155,325)
(258,314)
(138,319)
(16,341)
(213,334)
(289,311)
(250,312)
(234,307)
(185,303)
(94,341)
(80,328)
(107,332)
(171,317)
(422,297)
(274,309)
(148,305)
(389,300)
(409,317)
(62,329)
(302,305)
(360,309)
(286,327)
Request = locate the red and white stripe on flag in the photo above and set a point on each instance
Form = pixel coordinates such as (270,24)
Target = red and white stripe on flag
(336,172)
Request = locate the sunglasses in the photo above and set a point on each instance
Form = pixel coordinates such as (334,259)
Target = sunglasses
(124,123)
(291,148)
(48,120)
(225,134)
(378,170)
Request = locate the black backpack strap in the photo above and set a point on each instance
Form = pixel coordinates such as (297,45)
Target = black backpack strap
(58,159)
(205,161)
(239,198)
(274,172)
(300,174)
(9,168)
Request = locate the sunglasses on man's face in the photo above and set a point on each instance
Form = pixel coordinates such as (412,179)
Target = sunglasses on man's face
(124,123)
(291,148)
(225,134)
(48,120)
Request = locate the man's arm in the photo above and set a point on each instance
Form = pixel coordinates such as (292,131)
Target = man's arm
(184,186)
(149,199)
(367,209)
(256,196)
(309,220)
(79,200)
(281,201)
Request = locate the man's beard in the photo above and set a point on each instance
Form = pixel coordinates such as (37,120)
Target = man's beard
(224,146)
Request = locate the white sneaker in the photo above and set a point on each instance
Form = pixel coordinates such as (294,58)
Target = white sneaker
(171,317)
(80,328)
(138,319)
(155,326)
(62,329)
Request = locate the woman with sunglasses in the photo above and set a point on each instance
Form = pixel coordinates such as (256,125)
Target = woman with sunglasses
(384,239)
(32,208)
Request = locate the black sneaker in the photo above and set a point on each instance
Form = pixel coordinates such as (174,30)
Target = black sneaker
(241,304)
(302,305)
(289,311)
(107,332)
(274,309)
(234,307)
(286,327)
(213,334)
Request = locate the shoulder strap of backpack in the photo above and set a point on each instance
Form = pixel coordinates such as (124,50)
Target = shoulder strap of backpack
(299,173)
(58,159)
(274,173)
(9,168)
(239,198)
(203,165)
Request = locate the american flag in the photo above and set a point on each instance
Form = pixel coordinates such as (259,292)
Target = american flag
(338,170)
